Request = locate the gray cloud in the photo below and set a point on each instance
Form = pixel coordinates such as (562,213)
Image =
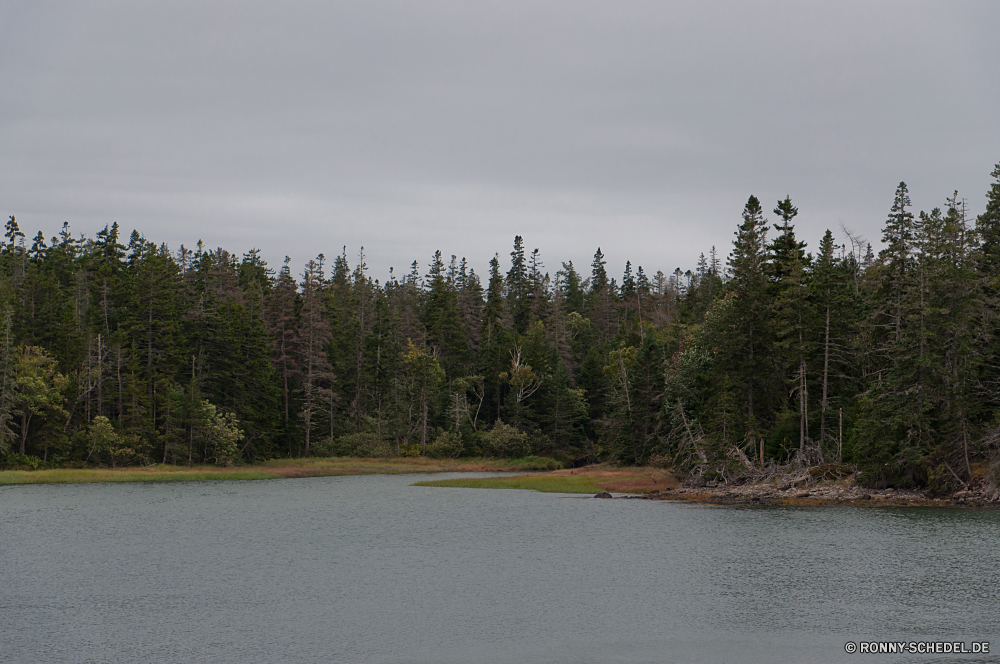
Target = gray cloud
(408,127)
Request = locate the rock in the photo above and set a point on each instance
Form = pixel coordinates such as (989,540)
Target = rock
(654,492)
(604,494)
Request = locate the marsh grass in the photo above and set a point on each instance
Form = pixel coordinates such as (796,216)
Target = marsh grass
(396,465)
(155,474)
(274,468)
(543,483)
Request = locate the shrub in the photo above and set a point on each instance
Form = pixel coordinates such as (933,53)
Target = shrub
(23,462)
(352,444)
(505,441)
(536,463)
(324,447)
(661,461)
(448,445)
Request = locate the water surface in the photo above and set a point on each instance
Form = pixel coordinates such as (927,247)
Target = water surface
(369,569)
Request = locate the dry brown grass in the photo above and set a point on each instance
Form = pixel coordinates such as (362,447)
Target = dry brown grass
(275,468)
(314,467)
(590,479)
(635,479)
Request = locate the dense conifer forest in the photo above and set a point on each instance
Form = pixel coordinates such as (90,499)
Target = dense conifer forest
(121,351)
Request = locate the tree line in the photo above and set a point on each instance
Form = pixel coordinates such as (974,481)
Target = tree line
(118,352)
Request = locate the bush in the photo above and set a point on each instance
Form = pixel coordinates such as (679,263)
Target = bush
(505,442)
(448,445)
(107,446)
(536,463)
(661,461)
(23,462)
(352,444)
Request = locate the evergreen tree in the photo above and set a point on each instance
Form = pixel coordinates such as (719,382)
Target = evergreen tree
(745,342)
(281,327)
(792,313)
(314,370)
(518,286)
(445,332)
(570,285)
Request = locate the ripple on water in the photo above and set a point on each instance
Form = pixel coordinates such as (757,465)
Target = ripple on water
(370,569)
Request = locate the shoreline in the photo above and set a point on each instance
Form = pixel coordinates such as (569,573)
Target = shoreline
(646,483)
(271,469)
(636,482)
(821,496)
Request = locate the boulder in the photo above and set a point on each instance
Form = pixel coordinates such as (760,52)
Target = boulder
(604,494)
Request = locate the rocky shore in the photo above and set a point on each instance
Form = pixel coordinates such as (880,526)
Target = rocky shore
(833,494)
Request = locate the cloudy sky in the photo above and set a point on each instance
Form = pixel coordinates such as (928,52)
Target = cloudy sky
(639,127)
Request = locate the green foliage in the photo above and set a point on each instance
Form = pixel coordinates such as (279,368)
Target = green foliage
(224,433)
(361,444)
(447,445)
(39,388)
(106,446)
(22,461)
(505,442)
(117,351)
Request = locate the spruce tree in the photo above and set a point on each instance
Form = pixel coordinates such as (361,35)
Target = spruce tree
(518,286)
(745,342)
(443,321)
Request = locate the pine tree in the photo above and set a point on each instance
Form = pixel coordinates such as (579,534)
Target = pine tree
(518,287)
(792,311)
(313,334)
(745,344)
(443,321)
(281,326)
(834,301)
(425,377)
(598,275)
(897,258)
(988,272)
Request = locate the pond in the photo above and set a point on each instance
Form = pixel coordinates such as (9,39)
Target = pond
(369,569)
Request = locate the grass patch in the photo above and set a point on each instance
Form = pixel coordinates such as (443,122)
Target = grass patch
(396,465)
(275,468)
(543,483)
(157,474)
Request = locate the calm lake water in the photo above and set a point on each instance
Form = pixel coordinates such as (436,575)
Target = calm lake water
(370,569)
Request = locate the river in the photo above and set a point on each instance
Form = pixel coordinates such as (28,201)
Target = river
(369,569)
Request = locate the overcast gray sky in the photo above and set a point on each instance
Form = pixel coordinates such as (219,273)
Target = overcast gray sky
(639,127)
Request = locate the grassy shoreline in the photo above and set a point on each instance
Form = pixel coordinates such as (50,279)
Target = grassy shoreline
(589,480)
(271,469)
(544,484)
(644,482)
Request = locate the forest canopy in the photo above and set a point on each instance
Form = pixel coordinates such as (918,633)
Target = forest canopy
(118,351)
